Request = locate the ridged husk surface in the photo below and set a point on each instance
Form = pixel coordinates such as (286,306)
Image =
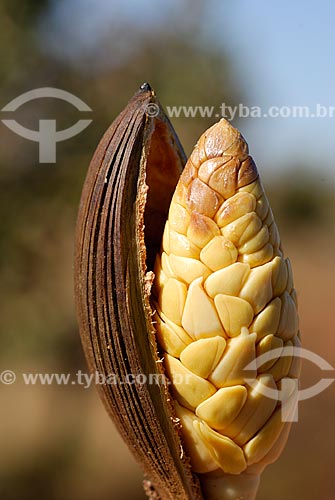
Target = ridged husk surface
(113,281)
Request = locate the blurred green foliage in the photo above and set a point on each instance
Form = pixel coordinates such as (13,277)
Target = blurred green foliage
(302,200)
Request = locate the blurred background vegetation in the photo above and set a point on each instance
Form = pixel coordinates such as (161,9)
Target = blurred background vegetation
(57,443)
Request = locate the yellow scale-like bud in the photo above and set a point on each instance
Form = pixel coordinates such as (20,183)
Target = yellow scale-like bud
(224,296)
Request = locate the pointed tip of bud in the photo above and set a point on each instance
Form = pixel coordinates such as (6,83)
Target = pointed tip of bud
(146,87)
(223,138)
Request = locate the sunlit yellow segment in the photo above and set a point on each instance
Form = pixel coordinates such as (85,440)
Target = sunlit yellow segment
(240,352)
(166,238)
(224,451)
(261,444)
(187,269)
(234,313)
(222,408)
(209,166)
(279,276)
(254,188)
(180,195)
(189,389)
(179,218)
(221,182)
(257,289)
(234,208)
(267,321)
(227,281)
(200,319)
(181,245)
(202,199)
(203,355)
(165,262)
(171,337)
(267,346)
(160,277)
(258,258)
(218,253)
(242,229)
(282,366)
(201,229)
(256,411)
(201,459)
(256,243)
(262,207)
(172,299)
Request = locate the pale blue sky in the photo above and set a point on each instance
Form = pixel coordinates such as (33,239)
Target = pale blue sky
(285,50)
(283,53)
